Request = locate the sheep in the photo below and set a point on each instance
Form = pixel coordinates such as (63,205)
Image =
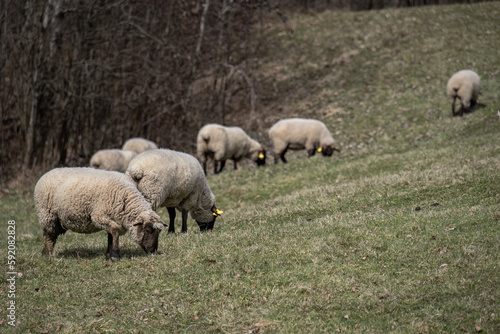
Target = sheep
(174,179)
(465,85)
(139,145)
(299,134)
(112,159)
(86,200)
(221,143)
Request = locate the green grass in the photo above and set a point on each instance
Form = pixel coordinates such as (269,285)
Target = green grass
(317,245)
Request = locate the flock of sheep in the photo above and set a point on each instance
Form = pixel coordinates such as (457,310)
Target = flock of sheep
(124,187)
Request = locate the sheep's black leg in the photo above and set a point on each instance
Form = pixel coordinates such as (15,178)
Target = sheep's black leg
(472,102)
(311,152)
(215,167)
(184,221)
(461,111)
(205,165)
(222,164)
(235,164)
(282,156)
(110,245)
(113,252)
(453,108)
(171,215)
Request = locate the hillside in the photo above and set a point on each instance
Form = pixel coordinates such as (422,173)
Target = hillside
(397,233)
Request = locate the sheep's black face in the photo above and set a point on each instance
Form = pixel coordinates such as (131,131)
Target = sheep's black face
(210,225)
(261,159)
(206,226)
(327,151)
(150,238)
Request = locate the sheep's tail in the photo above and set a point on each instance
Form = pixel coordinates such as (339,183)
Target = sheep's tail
(136,175)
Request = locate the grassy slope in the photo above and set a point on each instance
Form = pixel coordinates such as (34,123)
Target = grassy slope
(320,244)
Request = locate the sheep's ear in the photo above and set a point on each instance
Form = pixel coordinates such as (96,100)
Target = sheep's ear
(216,211)
(159,226)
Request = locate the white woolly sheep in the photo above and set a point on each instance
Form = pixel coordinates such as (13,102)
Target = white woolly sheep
(173,179)
(139,145)
(221,143)
(86,200)
(299,134)
(465,85)
(112,159)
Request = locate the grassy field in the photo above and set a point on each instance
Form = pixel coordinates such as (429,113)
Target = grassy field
(397,233)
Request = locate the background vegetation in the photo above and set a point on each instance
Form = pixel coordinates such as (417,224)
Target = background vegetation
(398,233)
(78,76)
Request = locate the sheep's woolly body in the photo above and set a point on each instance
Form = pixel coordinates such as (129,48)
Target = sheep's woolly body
(465,85)
(173,179)
(112,159)
(299,134)
(86,200)
(139,145)
(223,143)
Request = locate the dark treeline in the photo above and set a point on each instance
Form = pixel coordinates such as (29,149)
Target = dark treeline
(77,76)
(364,4)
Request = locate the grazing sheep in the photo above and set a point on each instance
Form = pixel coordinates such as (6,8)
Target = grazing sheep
(465,85)
(173,179)
(299,134)
(221,143)
(139,145)
(112,159)
(86,200)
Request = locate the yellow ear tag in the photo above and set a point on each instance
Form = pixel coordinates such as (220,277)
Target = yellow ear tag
(218,212)
(261,155)
(320,149)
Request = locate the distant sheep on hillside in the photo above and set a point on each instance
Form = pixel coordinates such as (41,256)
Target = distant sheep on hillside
(222,143)
(299,134)
(466,86)
(139,145)
(112,159)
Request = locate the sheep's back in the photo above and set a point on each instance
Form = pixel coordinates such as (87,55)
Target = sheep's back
(165,175)
(139,145)
(112,159)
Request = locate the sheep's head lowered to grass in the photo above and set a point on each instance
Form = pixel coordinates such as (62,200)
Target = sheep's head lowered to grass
(146,230)
(208,226)
(327,150)
(261,158)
